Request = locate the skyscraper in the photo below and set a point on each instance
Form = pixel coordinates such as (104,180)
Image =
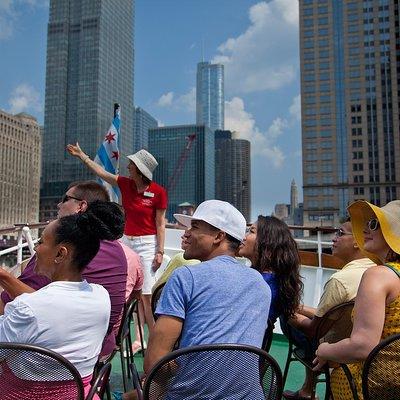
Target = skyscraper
(89,67)
(20,157)
(186,163)
(143,121)
(233,171)
(210,99)
(350,104)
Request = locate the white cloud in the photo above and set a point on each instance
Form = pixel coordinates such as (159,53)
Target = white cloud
(166,99)
(10,11)
(295,108)
(184,102)
(265,56)
(262,143)
(24,98)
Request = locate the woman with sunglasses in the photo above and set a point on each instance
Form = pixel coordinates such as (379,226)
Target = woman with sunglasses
(270,247)
(377,306)
(145,203)
(69,315)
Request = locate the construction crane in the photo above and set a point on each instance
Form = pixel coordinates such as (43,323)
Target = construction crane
(176,174)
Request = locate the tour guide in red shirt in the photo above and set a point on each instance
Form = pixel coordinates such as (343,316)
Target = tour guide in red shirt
(144,203)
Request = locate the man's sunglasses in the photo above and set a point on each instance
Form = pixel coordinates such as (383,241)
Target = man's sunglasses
(373,224)
(340,232)
(66,198)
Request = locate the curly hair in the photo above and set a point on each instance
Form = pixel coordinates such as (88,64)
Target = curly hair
(83,231)
(277,251)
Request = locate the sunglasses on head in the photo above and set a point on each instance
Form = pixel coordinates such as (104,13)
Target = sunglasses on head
(340,232)
(66,198)
(373,224)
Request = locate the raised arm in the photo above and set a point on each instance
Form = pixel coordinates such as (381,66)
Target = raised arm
(76,151)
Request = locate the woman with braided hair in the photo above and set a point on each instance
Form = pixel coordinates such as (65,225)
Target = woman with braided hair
(69,315)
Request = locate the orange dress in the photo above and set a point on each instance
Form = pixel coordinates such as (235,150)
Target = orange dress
(339,383)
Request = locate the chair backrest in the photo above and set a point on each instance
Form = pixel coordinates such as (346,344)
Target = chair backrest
(155,297)
(267,341)
(31,372)
(100,383)
(123,330)
(336,324)
(381,372)
(216,371)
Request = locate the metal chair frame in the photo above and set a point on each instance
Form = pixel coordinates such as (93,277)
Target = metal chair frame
(51,354)
(155,298)
(217,347)
(297,354)
(100,384)
(371,357)
(268,336)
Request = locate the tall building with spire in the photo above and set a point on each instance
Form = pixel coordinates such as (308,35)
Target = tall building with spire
(89,66)
(210,98)
(350,105)
(294,198)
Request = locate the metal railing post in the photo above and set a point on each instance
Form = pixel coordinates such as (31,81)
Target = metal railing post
(318,278)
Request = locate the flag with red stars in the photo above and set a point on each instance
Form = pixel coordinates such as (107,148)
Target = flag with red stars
(108,153)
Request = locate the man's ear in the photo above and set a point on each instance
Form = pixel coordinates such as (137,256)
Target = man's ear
(219,237)
(83,205)
(62,254)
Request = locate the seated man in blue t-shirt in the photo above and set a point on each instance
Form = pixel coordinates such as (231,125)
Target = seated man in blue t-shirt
(219,300)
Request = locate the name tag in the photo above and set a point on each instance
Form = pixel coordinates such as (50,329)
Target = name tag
(148,194)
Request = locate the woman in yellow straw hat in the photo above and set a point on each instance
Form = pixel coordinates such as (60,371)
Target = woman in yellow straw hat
(377,305)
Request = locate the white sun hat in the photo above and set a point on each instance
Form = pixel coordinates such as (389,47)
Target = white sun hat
(220,214)
(145,162)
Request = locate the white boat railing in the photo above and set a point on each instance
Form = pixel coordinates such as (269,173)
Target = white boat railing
(314,277)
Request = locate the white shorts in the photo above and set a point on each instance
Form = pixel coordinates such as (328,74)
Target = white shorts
(145,247)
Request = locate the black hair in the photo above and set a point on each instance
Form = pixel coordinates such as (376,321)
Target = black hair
(277,251)
(233,242)
(101,221)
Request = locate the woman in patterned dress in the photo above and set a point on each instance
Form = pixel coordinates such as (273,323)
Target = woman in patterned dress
(377,306)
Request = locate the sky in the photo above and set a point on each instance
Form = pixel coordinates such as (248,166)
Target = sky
(257,41)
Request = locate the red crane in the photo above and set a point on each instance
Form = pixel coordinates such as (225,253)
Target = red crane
(173,180)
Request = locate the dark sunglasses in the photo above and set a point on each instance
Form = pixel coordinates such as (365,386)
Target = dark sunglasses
(340,232)
(66,198)
(373,224)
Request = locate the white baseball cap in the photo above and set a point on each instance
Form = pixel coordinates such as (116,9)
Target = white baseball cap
(221,215)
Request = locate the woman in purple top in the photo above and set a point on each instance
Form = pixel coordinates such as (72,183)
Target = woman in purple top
(273,252)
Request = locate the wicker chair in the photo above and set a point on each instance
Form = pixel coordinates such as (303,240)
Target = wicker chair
(30,372)
(335,325)
(215,372)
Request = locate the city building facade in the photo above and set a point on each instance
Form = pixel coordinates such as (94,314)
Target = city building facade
(20,168)
(210,98)
(89,66)
(350,105)
(233,171)
(143,121)
(186,163)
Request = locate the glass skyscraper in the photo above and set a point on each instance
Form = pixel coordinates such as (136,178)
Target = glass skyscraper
(210,99)
(350,105)
(186,163)
(89,67)
(143,121)
(233,171)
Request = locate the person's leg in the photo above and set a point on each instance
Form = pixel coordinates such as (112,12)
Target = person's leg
(303,342)
(148,314)
(139,328)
